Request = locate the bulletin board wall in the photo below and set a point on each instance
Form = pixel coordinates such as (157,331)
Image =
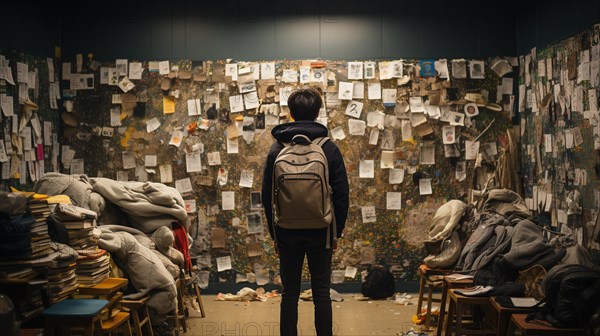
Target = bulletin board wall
(392,238)
(25,164)
(560,86)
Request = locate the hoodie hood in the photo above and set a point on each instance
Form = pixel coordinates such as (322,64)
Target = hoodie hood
(312,129)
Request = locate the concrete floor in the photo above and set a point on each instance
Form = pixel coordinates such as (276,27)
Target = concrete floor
(350,317)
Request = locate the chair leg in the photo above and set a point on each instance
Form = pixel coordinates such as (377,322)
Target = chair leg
(148,324)
(136,322)
(429,303)
(450,319)
(459,316)
(421,289)
(197,288)
(442,316)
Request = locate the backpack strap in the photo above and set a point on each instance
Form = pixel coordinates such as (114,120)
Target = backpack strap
(320,141)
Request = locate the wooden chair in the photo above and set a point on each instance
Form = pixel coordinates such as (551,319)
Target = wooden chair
(503,315)
(456,314)
(138,312)
(427,281)
(71,313)
(447,285)
(541,328)
(114,318)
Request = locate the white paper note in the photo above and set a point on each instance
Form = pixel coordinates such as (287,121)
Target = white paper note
(394,201)
(228,200)
(367,169)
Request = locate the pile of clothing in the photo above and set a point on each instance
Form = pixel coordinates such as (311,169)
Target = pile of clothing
(140,222)
(495,239)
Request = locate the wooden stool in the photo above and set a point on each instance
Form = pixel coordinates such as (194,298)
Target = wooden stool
(119,320)
(503,315)
(456,310)
(425,280)
(106,288)
(82,313)
(137,307)
(542,328)
(447,285)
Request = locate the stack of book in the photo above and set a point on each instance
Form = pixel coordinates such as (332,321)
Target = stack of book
(92,266)
(40,240)
(92,269)
(62,280)
(79,223)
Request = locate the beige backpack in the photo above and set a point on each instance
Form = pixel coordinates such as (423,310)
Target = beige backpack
(301,191)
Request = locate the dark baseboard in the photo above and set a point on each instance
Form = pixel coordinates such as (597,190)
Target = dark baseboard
(346,287)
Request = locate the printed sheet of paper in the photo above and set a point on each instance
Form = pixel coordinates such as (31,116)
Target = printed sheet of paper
(166,173)
(152,125)
(471,149)
(184,185)
(350,272)
(223,263)
(214,158)
(77,166)
(150,160)
(193,162)
(345,90)
(176,138)
(448,135)
(231,70)
(394,200)
(236,103)
(267,70)
(425,186)
(374,136)
(128,160)
(359,90)
(354,109)
(374,90)
(369,70)
(228,200)
(164,68)
(246,178)
(135,70)
(355,70)
(115,117)
(194,107)
(416,104)
(232,146)
(367,169)
(396,175)
(368,214)
(427,156)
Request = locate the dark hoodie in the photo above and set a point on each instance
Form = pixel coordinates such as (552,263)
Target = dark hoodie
(338,180)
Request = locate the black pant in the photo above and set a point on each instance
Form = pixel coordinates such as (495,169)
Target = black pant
(292,249)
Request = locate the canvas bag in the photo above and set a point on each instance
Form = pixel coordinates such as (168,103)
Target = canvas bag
(301,191)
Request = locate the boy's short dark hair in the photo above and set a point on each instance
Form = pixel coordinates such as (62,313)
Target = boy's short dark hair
(305,104)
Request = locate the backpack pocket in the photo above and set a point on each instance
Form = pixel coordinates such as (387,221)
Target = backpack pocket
(299,201)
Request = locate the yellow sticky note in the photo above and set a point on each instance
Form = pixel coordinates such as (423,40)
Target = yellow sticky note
(168,105)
